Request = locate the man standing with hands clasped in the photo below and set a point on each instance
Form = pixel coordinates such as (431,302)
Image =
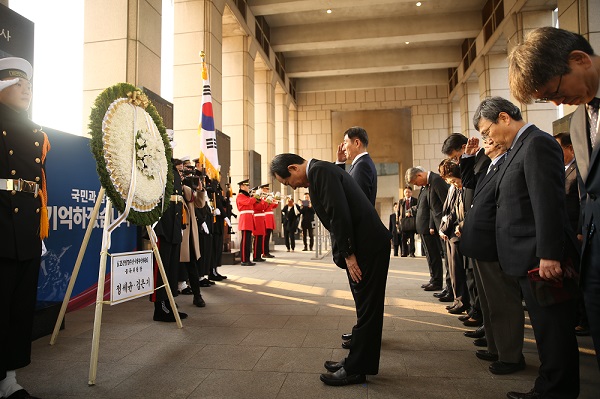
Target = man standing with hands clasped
(360,244)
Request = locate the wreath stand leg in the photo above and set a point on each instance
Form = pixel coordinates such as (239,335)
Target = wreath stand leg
(82,249)
(164,275)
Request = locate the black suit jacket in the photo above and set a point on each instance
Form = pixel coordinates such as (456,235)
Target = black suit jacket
(530,200)
(170,224)
(588,165)
(478,239)
(572,197)
(477,168)
(347,214)
(365,174)
(436,196)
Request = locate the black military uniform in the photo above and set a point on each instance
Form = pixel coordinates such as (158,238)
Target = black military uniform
(23,197)
(168,231)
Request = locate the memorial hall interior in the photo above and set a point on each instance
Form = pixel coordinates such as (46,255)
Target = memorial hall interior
(287,76)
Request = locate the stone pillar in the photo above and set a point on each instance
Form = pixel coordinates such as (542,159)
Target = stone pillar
(122,43)
(492,73)
(197,27)
(542,115)
(264,111)
(468,98)
(238,102)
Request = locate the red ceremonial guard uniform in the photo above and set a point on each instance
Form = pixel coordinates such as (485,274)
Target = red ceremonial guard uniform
(269,221)
(260,229)
(245,204)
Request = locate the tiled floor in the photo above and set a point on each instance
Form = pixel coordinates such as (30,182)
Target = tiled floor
(266,332)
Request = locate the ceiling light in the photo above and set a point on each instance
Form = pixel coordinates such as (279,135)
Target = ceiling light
(329,11)
(418,4)
(406,42)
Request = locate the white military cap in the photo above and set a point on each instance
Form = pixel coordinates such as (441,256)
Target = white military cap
(15,67)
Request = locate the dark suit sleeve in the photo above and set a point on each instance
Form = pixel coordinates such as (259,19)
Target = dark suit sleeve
(363,176)
(545,174)
(330,192)
(438,189)
(467,172)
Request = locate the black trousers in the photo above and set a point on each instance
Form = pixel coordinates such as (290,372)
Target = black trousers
(408,243)
(245,245)
(206,254)
(18,295)
(369,296)
(433,252)
(258,247)
(169,254)
(558,375)
(290,239)
(266,242)
(308,231)
(458,276)
(217,250)
(591,287)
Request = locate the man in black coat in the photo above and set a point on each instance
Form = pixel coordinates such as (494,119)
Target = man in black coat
(499,294)
(393,228)
(434,191)
(532,233)
(308,219)
(559,66)
(23,148)
(360,244)
(406,208)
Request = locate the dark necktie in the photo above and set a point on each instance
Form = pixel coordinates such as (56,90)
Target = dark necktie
(592,108)
(407,204)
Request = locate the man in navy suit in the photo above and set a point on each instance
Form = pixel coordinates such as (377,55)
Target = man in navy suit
(499,294)
(531,233)
(560,66)
(360,245)
(362,169)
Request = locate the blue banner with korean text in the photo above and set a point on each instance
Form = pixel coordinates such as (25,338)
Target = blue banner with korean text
(73,187)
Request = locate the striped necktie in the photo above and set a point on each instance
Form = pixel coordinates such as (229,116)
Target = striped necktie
(592,108)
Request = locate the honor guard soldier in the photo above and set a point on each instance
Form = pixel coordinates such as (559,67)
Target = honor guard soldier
(168,230)
(260,228)
(273,202)
(245,204)
(23,220)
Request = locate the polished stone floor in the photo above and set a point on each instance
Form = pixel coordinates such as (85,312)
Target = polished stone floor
(266,332)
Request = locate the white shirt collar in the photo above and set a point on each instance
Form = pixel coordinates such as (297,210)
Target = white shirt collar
(358,156)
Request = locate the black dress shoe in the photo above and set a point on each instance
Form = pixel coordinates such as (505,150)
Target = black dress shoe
(441,294)
(163,312)
(247,263)
(473,322)
(425,285)
(268,256)
(332,366)
(479,333)
(198,301)
(347,336)
(458,309)
(22,394)
(524,395)
(446,298)
(464,317)
(347,344)
(486,355)
(222,277)
(187,291)
(433,287)
(214,277)
(259,260)
(582,331)
(481,342)
(204,283)
(501,368)
(412,255)
(305,249)
(341,378)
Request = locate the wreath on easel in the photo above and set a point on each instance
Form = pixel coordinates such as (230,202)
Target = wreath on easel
(133,154)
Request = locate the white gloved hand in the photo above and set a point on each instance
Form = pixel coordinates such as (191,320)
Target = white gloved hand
(217,211)
(205,227)
(228,221)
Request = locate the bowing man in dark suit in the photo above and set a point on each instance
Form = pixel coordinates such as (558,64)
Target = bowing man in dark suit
(429,217)
(531,233)
(360,244)
(499,294)
(362,169)
(560,66)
